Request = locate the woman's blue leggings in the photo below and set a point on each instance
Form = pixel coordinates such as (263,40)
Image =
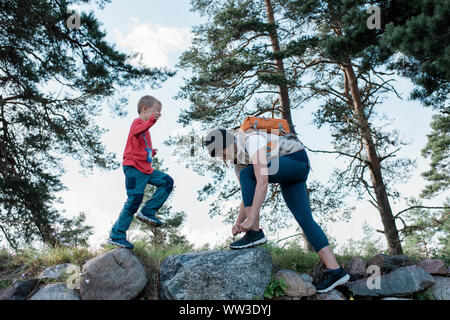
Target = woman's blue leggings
(293,170)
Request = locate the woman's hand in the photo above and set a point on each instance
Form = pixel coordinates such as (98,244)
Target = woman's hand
(236,229)
(246,225)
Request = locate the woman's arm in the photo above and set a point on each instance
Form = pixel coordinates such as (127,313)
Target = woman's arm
(241,218)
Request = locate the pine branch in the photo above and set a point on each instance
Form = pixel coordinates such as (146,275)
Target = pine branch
(418,207)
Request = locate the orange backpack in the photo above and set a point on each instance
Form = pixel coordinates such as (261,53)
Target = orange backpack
(278,126)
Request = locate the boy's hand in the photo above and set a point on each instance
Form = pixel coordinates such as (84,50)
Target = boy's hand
(155,151)
(157,115)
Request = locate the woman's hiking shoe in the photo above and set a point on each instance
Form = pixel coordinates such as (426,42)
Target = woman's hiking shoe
(153,221)
(333,278)
(121,243)
(250,239)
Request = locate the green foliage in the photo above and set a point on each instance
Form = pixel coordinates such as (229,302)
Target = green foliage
(74,232)
(426,231)
(53,83)
(420,38)
(438,149)
(275,288)
(423,295)
(367,247)
(292,257)
(37,259)
(5,283)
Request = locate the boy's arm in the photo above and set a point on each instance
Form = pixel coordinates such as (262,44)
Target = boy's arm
(143,126)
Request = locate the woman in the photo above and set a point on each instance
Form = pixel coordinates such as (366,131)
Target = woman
(256,167)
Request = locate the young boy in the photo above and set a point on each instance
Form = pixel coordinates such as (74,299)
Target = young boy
(137,166)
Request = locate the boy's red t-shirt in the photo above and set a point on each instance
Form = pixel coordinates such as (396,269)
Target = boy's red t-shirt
(138,150)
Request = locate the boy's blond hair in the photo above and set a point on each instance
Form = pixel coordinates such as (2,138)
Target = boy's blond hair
(148,101)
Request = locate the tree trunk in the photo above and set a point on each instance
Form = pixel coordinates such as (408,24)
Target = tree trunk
(284,92)
(384,207)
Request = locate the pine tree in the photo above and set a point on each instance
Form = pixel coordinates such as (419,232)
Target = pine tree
(426,231)
(54,81)
(338,61)
(417,31)
(438,148)
(420,30)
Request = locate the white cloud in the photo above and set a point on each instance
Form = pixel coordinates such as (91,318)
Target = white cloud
(155,44)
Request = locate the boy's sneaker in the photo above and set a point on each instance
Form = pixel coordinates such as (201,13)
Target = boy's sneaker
(333,278)
(153,221)
(123,243)
(250,239)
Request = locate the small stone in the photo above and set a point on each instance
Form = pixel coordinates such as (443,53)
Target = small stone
(296,286)
(20,291)
(319,272)
(389,263)
(434,266)
(356,268)
(58,272)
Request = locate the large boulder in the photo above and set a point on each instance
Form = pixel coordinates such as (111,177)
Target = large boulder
(216,275)
(114,275)
(55,291)
(441,288)
(434,266)
(59,271)
(20,290)
(401,282)
(295,285)
(356,268)
(389,263)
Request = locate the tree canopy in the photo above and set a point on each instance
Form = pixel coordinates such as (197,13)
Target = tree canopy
(54,81)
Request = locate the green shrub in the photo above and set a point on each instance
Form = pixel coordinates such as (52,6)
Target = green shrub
(275,288)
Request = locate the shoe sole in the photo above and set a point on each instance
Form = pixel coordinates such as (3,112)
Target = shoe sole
(118,244)
(340,282)
(249,245)
(148,221)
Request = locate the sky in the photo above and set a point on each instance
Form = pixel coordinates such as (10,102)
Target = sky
(161,31)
